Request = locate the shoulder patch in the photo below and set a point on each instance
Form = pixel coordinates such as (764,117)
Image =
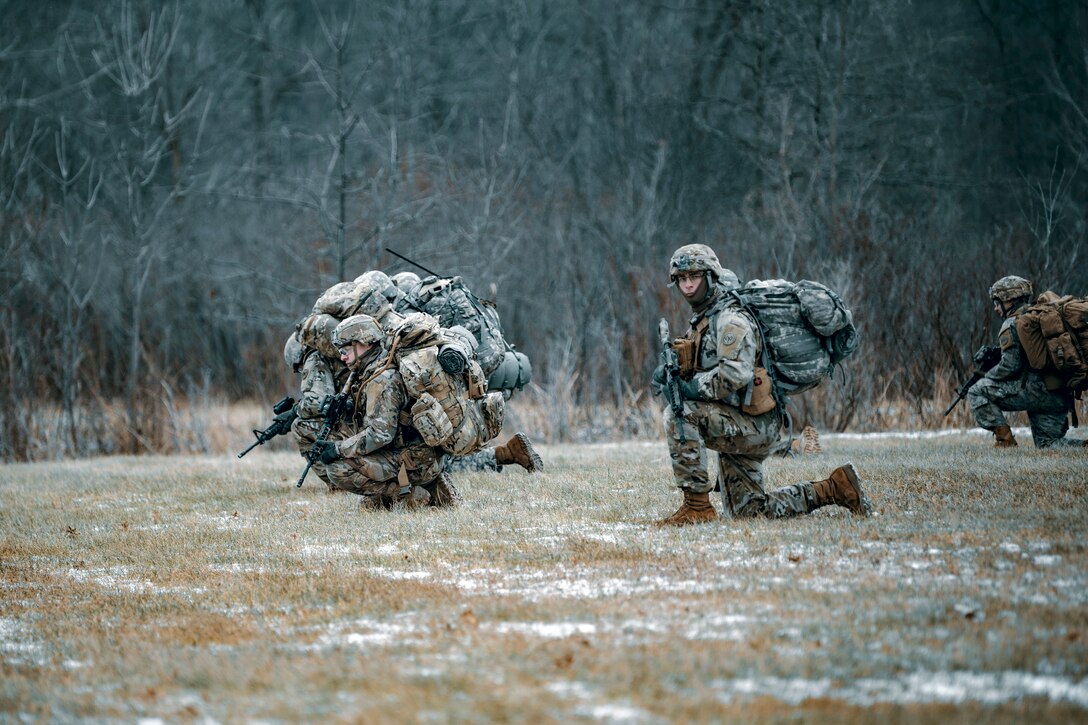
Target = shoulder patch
(1005,339)
(729,338)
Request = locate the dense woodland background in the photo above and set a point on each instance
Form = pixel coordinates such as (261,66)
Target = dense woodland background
(179,182)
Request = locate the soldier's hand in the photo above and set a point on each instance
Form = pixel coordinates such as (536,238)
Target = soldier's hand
(286,418)
(689,389)
(327,452)
(981,355)
(657,381)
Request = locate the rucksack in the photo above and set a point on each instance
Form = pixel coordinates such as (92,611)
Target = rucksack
(805,330)
(1054,335)
(451,410)
(453,303)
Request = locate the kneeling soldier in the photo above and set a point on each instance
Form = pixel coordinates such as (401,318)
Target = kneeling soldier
(382,458)
(723,350)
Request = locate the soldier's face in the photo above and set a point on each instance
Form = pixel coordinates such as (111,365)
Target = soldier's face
(353,352)
(1001,308)
(690,284)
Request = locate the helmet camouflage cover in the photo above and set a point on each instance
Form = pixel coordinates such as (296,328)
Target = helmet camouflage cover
(357,328)
(407,282)
(293,351)
(1010,288)
(697,258)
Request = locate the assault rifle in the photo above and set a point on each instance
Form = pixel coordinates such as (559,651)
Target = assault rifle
(334,409)
(281,424)
(986,357)
(671,364)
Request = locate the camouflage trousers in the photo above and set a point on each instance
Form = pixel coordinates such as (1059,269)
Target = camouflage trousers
(483,460)
(1047,411)
(376,474)
(743,442)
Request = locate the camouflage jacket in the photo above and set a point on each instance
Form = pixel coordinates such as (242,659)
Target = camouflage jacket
(378,406)
(727,350)
(1012,364)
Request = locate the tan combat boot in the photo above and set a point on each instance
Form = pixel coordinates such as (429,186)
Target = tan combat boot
(842,488)
(1004,436)
(696,509)
(444,493)
(519,450)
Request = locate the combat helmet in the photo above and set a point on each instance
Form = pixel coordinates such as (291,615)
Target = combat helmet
(357,328)
(407,282)
(293,351)
(1010,288)
(700,258)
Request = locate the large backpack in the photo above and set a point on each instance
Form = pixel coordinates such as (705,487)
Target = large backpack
(451,410)
(453,303)
(1054,335)
(805,330)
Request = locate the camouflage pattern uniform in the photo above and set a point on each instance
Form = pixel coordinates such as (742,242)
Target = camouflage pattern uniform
(726,358)
(1011,385)
(382,455)
(726,361)
(483,460)
(320,378)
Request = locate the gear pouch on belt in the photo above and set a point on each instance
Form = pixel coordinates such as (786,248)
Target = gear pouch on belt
(431,421)
(685,355)
(762,397)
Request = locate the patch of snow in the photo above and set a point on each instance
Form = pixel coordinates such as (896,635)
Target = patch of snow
(1047,560)
(550,630)
(920,687)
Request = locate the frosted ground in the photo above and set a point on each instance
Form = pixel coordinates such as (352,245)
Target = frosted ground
(208,588)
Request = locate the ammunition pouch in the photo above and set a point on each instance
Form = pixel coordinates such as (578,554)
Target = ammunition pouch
(686,351)
(431,420)
(761,400)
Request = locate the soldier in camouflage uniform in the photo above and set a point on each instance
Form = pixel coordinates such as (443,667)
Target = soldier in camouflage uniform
(320,378)
(1011,385)
(382,457)
(725,351)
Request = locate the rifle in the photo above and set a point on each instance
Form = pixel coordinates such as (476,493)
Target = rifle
(671,364)
(986,357)
(335,408)
(413,263)
(281,424)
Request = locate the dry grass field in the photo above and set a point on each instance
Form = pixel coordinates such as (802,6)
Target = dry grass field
(210,589)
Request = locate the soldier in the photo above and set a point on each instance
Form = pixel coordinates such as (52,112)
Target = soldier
(1011,385)
(319,379)
(723,349)
(383,459)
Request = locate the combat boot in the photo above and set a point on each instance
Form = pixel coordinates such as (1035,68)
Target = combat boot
(842,488)
(416,498)
(443,492)
(519,450)
(1004,437)
(696,509)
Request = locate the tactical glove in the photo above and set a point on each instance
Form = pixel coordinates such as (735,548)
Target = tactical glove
(327,452)
(689,389)
(657,381)
(285,419)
